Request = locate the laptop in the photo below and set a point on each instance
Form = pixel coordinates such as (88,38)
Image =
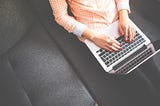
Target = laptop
(130,57)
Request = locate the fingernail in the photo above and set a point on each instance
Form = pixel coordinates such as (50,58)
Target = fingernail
(126,39)
(116,50)
(130,41)
(120,48)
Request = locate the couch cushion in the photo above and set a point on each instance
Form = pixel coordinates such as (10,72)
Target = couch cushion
(36,72)
(15,20)
(11,90)
(44,73)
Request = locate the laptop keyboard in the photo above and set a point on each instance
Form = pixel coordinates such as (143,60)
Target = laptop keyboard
(124,69)
(111,57)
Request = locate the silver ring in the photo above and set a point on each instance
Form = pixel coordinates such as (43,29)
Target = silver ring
(127,37)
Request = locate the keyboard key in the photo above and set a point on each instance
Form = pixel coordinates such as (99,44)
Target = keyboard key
(103,59)
(102,53)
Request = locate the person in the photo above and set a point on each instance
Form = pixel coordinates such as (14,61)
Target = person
(90,20)
(92,16)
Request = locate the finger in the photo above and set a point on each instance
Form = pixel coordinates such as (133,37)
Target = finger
(111,48)
(113,44)
(121,31)
(109,45)
(134,32)
(130,35)
(116,46)
(126,34)
(133,35)
(115,41)
(108,49)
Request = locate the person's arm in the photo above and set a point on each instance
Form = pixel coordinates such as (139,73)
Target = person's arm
(61,16)
(125,26)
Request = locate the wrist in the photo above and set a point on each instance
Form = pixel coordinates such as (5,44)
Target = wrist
(89,34)
(123,14)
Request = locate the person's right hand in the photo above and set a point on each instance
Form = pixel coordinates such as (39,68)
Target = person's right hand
(102,40)
(106,42)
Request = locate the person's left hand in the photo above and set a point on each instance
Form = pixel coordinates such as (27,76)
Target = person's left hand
(126,29)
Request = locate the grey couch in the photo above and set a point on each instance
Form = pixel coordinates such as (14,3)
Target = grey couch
(33,70)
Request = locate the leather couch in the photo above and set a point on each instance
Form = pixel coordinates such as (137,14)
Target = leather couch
(42,65)
(33,70)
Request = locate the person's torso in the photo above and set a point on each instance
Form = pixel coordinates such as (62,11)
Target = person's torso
(96,14)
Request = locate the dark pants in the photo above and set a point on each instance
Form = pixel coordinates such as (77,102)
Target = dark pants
(144,85)
(139,88)
(151,75)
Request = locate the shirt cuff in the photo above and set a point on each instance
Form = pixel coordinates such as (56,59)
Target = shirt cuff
(79,29)
(123,6)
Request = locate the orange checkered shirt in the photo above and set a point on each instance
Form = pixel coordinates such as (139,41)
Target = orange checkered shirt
(95,14)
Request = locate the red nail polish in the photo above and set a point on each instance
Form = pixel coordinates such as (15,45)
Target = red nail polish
(120,48)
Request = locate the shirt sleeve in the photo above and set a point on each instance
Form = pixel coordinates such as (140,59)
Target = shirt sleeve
(123,4)
(61,16)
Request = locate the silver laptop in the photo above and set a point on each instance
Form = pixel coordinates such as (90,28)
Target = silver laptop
(130,57)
